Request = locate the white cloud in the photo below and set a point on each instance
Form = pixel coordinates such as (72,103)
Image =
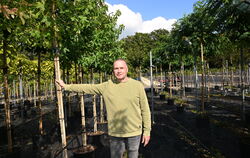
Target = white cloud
(133,22)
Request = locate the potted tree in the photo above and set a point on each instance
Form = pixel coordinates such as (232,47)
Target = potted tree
(162,95)
(180,105)
(202,120)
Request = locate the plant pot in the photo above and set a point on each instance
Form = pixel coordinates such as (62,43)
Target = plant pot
(247,117)
(202,121)
(162,97)
(94,138)
(217,87)
(14,154)
(180,109)
(84,152)
(170,101)
(244,144)
(188,89)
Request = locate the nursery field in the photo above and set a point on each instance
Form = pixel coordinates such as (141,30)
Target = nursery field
(177,131)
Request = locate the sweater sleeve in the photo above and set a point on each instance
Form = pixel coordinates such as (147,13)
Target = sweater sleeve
(86,88)
(145,111)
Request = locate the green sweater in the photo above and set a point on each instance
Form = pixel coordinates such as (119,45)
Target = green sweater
(126,103)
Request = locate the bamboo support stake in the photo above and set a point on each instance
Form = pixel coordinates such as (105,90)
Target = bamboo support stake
(60,107)
(101,104)
(34,93)
(58,88)
(84,134)
(39,93)
(94,103)
(202,77)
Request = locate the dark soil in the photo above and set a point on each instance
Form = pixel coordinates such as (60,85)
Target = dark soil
(175,134)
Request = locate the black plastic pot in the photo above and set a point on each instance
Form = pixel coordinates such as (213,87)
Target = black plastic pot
(170,101)
(244,144)
(14,154)
(247,117)
(180,109)
(188,89)
(95,140)
(162,97)
(84,152)
(202,121)
(217,87)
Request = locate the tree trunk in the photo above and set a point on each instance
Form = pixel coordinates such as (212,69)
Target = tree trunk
(183,79)
(39,93)
(170,80)
(232,73)
(223,75)
(243,108)
(161,82)
(101,103)
(34,93)
(6,91)
(68,95)
(94,103)
(14,92)
(76,74)
(208,82)
(51,89)
(202,77)
(139,73)
(84,134)
(196,81)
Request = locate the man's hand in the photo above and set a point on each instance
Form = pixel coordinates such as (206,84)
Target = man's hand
(60,83)
(145,140)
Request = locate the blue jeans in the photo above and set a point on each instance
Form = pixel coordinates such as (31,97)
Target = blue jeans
(118,145)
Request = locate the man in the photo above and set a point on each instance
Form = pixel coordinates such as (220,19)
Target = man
(127,107)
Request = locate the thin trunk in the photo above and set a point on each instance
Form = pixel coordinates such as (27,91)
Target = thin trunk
(94,103)
(196,81)
(84,134)
(58,88)
(6,91)
(68,94)
(51,89)
(39,93)
(227,74)
(232,75)
(183,79)
(161,77)
(34,94)
(76,74)
(170,80)
(30,92)
(223,74)
(21,90)
(243,108)
(101,103)
(202,77)
(208,82)
(14,92)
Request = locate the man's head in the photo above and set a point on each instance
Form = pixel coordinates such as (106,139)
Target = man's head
(120,70)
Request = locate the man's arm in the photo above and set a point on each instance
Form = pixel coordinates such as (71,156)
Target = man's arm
(146,116)
(86,88)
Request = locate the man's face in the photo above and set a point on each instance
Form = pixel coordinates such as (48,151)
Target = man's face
(120,69)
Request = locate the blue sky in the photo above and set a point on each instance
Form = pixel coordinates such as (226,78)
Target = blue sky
(148,15)
(150,9)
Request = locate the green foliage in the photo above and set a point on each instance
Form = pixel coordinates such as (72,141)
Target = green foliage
(89,36)
(137,49)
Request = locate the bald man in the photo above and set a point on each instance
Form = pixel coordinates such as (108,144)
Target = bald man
(128,112)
